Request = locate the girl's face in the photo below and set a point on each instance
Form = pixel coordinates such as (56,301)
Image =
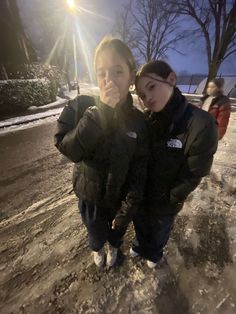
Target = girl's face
(155,91)
(212,89)
(110,66)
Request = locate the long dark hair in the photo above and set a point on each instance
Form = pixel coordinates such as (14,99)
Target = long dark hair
(158,67)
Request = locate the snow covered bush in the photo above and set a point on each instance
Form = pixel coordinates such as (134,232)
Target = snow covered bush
(19,94)
(33,84)
(35,70)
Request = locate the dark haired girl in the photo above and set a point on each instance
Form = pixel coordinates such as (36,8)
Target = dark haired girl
(183,141)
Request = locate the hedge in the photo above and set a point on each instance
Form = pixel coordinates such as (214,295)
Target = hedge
(19,94)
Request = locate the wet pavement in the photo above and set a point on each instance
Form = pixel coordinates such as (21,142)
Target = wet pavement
(46,266)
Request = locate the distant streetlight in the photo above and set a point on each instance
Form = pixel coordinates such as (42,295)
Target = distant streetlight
(71,4)
(73,10)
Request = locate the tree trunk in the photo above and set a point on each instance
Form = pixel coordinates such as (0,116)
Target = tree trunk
(16,48)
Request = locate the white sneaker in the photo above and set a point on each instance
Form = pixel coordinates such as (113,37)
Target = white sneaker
(151,264)
(132,253)
(99,258)
(157,264)
(111,255)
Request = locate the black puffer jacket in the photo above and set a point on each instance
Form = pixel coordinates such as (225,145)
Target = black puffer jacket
(110,149)
(183,141)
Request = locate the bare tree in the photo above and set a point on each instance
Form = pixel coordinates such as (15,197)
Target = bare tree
(124,27)
(147,28)
(216,20)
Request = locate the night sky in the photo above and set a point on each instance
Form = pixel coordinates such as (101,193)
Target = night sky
(194,59)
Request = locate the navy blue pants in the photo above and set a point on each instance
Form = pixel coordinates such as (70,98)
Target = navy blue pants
(152,234)
(98,222)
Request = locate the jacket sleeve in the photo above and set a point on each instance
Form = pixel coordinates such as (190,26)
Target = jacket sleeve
(223,119)
(80,127)
(136,182)
(197,163)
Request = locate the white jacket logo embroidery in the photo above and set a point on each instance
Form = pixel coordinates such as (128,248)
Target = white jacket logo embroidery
(132,134)
(175,143)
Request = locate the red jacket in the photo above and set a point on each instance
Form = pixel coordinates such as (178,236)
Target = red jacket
(220,109)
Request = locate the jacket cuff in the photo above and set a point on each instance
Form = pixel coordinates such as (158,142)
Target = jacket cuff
(122,222)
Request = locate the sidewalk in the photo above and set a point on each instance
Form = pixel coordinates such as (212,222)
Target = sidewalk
(34,113)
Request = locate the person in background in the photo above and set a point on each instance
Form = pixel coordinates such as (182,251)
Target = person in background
(107,139)
(183,141)
(217,104)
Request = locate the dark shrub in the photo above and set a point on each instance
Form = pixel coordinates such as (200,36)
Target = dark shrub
(18,95)
(31,85)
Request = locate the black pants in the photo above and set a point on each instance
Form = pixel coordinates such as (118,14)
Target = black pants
(98,222)
(152,234)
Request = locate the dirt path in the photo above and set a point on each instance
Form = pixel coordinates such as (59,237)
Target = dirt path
(46,267)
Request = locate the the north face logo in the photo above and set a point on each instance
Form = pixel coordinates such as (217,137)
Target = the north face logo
(175,143)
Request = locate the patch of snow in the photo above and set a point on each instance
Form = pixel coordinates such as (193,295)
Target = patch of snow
(29,118)
(24,80)
(72,94)
(21,123)
(32,124)
(87,88)
(59,101)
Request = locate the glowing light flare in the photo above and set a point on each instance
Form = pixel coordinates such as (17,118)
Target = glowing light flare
(75,58)
(84,10)
(71,4)
(86,52)
(53,51)
(81,39)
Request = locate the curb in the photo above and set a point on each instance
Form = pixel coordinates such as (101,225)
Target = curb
(34,115)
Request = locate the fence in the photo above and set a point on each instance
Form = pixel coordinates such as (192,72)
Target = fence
(189,83)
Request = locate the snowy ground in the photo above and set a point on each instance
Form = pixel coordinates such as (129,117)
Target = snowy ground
(46,266)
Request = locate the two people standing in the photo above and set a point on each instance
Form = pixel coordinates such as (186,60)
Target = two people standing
(129,165)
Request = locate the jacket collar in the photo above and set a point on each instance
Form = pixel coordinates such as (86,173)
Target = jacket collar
(126,104)
(217,99)
(174,110)
(220,99)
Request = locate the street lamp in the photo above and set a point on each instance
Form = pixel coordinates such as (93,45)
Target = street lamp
(71,4)
(73,10)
